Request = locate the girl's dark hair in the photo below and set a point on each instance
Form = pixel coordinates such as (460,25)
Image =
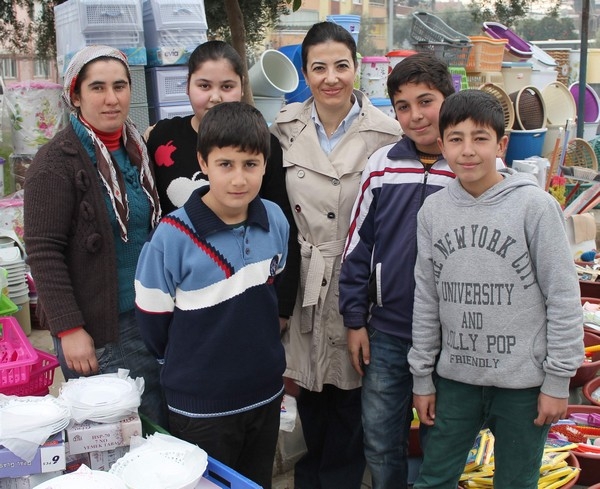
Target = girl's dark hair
(214,51)
(481,107)
(322,32)
(421,68)
(234,124)
(83,72)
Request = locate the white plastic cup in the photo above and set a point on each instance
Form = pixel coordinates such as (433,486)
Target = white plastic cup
(273,75)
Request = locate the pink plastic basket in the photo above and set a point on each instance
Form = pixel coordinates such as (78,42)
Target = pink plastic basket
(42,376)
(17,355)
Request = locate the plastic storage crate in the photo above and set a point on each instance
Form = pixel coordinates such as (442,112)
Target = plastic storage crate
(40,379)
(486,54)
(167,85)
(139,93)
(427,27)
(476,79)
(452,54)
(139,114)
(17,355)
(169,111)
(460,71)
(216,472)
(172,30)
(117,23)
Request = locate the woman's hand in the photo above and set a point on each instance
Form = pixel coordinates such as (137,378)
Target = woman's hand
(80,352)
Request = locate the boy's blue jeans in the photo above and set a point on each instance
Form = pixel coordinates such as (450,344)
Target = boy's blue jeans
(129,353)
(461,410)
(387,410)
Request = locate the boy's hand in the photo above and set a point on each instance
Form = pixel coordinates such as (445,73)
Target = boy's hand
(425,406)
(358,348)
(550,409)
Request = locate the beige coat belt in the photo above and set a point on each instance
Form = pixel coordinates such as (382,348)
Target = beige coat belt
(312,275)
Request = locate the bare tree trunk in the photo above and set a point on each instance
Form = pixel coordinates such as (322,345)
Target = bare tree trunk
(238,40)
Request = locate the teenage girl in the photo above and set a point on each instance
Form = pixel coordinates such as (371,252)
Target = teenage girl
(215,75)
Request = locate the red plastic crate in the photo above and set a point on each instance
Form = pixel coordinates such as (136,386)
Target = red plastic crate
(41,377)
(17,355)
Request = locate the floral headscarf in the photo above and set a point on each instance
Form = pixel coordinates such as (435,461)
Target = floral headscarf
(134,145)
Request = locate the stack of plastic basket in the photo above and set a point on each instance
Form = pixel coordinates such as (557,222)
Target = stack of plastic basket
(24,370)
(485,61)
(430,33)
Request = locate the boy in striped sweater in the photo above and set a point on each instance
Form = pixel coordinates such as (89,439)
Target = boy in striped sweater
(206,301)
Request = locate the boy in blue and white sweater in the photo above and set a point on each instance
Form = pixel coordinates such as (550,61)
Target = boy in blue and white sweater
(206,301)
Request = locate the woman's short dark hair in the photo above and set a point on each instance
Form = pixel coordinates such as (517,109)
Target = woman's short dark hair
(322,32)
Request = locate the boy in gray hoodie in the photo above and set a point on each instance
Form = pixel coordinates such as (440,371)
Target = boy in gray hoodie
(497,299)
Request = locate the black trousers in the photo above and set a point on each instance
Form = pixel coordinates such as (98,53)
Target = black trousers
(246,442)
(332,428)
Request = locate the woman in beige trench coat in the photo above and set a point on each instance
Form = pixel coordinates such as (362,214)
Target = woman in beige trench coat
(326,142)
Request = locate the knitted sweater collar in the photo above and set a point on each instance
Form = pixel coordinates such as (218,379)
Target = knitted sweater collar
(206,222)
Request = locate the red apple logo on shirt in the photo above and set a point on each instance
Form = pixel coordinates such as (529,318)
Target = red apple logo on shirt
(162,155)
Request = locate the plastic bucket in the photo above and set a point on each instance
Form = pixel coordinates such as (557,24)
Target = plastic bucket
(593,65)
(525,143)
(588,462)
(373,76)
(273,75)
(302,92)
(36,112)
(269,107)
(541,78)
(588,370)
(398,55)
(385,106)
(349,22)
(516,76)
(552,135)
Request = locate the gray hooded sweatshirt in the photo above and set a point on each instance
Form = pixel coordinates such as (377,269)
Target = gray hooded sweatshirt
(497,295)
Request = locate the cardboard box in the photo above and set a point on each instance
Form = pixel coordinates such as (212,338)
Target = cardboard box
(96,460)
(50,457)
(28,481)
(90,436)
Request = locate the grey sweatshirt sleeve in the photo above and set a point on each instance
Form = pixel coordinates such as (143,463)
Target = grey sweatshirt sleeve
(426,329)
(557,279)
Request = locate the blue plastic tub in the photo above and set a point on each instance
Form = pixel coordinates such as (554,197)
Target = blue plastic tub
(349,22)
(522,144)
(294,53)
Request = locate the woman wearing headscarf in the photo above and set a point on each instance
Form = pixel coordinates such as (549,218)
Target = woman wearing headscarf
(90,203)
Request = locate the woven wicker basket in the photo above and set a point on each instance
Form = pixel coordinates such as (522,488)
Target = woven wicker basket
(507,105)
(580,153)
(530,110)
(563,64)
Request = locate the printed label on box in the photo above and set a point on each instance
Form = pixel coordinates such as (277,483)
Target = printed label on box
(90,436)
(50,457)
